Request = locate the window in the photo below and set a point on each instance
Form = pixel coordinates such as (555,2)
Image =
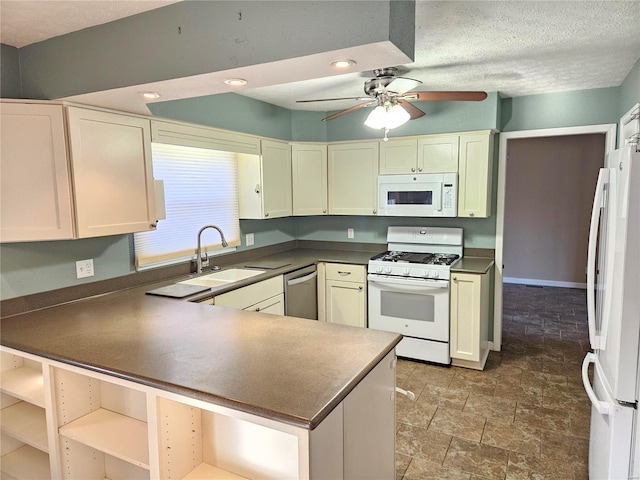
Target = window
(201,188)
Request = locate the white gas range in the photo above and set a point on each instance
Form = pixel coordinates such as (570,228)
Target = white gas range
(409,289)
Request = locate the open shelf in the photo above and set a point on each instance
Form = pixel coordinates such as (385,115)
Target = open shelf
(112,433)
(26,463)
(27,423)
(209,472)
(23,383)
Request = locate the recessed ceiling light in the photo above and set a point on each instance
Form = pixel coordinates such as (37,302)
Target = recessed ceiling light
(150,95)
(235,82)
(343,63)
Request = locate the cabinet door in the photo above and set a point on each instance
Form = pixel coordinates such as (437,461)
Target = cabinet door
(438,153)
(112,172)
(36,196)
(353,178)
(474,181)
(469,316)
(398,156)
(276,179)
(346,303)
(309,175)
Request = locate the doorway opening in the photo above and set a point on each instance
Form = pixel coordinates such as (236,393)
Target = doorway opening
(609,132)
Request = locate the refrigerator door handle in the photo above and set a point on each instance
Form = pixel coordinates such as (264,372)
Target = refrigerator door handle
(603,408)
(597,341)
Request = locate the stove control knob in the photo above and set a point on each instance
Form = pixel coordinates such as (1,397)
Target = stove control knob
(387,270)
(436,274)
(405,272)
(425,274)
(378,269)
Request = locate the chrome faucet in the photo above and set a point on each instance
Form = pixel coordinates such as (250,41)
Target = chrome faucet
(199,250)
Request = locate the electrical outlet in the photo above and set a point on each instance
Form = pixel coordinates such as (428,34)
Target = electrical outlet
(84,268)
(350,232)
(249,239)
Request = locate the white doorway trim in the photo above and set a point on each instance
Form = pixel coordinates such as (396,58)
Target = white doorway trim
(609,130)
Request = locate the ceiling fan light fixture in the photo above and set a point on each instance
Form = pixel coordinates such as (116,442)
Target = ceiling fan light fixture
(387,117)
(342,64)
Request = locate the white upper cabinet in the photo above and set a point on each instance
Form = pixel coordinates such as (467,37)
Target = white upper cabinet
(353,178)
(36,193)
(112,172)
(309,177)
(265,182)
(475,175)
(438,153)
(399,156)
(102,185)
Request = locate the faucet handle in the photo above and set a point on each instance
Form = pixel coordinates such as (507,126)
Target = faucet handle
(205,259)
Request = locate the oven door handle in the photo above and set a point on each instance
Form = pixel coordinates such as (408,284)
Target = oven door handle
(409,285)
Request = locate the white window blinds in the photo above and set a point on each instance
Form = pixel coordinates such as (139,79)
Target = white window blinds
(201,188)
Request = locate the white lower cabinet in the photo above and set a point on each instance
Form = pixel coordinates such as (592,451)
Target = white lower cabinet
(266,296)
(345,294)
(469,320)
(90,426)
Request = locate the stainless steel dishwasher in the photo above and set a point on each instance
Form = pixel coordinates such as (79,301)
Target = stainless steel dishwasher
(301,293)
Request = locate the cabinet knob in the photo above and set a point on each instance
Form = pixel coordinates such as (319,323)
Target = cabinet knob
(375,212)
(455,279)
(154,224)
(413,169)
(419,169)
(266,214)
(257,189)
(257,309)
(472,214)
(324,211)
(360,287)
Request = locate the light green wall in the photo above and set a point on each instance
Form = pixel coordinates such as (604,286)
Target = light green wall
(630,90)
(229,111)
(566,109)
(478,233)
(9,72)
(41,266)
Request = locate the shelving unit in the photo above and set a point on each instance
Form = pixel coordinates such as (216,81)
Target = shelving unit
(27,423)
(25,443)
(26,462)
(24,383)
(199,444)
(103,427)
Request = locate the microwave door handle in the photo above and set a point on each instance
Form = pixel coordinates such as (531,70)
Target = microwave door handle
(438,205)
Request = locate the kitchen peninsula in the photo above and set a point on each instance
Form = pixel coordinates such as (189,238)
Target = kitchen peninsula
(196,390)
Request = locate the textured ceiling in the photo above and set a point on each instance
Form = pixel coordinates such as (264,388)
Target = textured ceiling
(512,47)
(23,22)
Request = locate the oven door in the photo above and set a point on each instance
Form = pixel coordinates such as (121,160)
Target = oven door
(414,307)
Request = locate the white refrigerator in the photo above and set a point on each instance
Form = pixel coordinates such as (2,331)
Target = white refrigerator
(613,300)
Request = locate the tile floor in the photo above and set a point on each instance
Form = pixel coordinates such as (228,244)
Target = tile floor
(526,416)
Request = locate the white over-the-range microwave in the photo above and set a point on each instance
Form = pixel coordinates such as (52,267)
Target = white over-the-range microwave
(419,195)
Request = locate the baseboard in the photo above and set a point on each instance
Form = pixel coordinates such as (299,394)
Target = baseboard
(543,283)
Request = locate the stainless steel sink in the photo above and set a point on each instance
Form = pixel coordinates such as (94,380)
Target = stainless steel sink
(223,277)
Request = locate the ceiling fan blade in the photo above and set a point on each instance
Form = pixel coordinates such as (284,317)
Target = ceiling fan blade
(413,111)
(332,99)
(446,96)
(402,85)
(348,110)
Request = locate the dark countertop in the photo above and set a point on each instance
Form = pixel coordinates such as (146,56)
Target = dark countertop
(283,368)
(472,265)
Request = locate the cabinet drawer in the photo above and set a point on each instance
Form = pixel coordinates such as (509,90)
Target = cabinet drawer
(346,272)
(251,294)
